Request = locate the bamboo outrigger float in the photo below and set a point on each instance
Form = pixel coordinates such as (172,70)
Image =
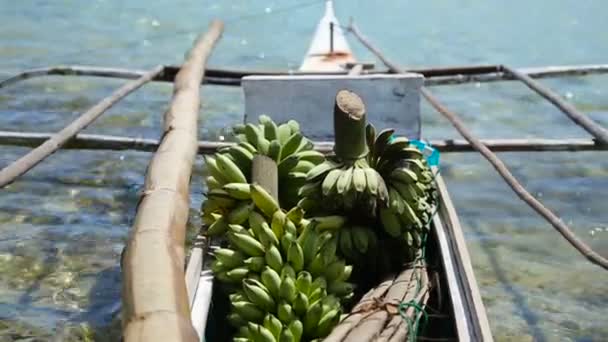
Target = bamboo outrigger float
(164,302)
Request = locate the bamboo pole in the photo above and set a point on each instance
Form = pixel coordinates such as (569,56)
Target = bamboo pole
(596,130)
(117,143)
(434,76)
(31,159)
(155,300)
(500,167)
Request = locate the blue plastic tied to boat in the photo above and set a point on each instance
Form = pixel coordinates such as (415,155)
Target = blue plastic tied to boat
(429,152)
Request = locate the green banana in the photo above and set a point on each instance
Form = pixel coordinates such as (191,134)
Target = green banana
(242,157)
(295,256)
(346,243)
(312,317)
(287,336)
(274,150)
(248,311)
(247,244)
(303,282)
(255,264)
(404,175)
(335,271)
(263,200)
(295,215)
(284,132)
(291,145)
(297,329)
(218,227)
(248,147)
(285,312)
(237,274)
(273,258)
(312,156)
(214,170)
(332,222)
(390,222)
(330,181)
(271,131)
(239,191)
(286,165)
(258,295)
(327,322)
(321,170)
(340,288)
(303,166)
(230,170)
(288,290)
(212,183)
(240,214)
(344,182)
(294,126)
(359,180)
(300,304)
(228,257)
(273,325)
(272,281)
(277,224)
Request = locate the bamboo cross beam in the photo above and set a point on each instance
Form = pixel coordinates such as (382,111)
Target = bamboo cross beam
(154,295)
(500,167)
(117,143)
(31,159)
(596,130)
(434,76)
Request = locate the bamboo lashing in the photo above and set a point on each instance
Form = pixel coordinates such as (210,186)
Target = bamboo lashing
(35,156)
(155,301)
(118,143)
(500,167)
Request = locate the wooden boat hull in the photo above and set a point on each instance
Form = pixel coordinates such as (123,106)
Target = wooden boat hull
(459,314)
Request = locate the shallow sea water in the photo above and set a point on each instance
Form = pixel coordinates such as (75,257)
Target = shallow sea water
(63,225)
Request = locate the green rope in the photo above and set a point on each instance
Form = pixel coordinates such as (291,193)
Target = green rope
(415,325)
(412,326)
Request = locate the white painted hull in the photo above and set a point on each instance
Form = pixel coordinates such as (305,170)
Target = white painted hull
(320,56)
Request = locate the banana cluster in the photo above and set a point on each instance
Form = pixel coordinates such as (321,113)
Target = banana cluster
(283,143)
(344,186)
(289,284)
(410,182)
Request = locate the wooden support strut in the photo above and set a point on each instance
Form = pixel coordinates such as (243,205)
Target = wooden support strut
(117,143)
(154,296)
(54,143)
(596,130)
(500,167)
(434,76)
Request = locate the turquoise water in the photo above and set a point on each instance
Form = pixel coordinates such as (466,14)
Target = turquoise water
(62,226)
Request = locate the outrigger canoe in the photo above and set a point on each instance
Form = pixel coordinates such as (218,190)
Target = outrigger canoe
(459,311)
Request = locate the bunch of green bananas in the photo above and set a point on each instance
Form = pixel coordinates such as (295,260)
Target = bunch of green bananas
(283,143)
(344,186)
(288,282)
(410,183)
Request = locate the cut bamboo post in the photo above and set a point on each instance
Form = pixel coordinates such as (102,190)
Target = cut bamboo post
(264,172)
(498,165)
(349,126)
(155,300)
(35,156)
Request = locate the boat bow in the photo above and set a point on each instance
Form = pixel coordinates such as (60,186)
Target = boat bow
(328,50)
